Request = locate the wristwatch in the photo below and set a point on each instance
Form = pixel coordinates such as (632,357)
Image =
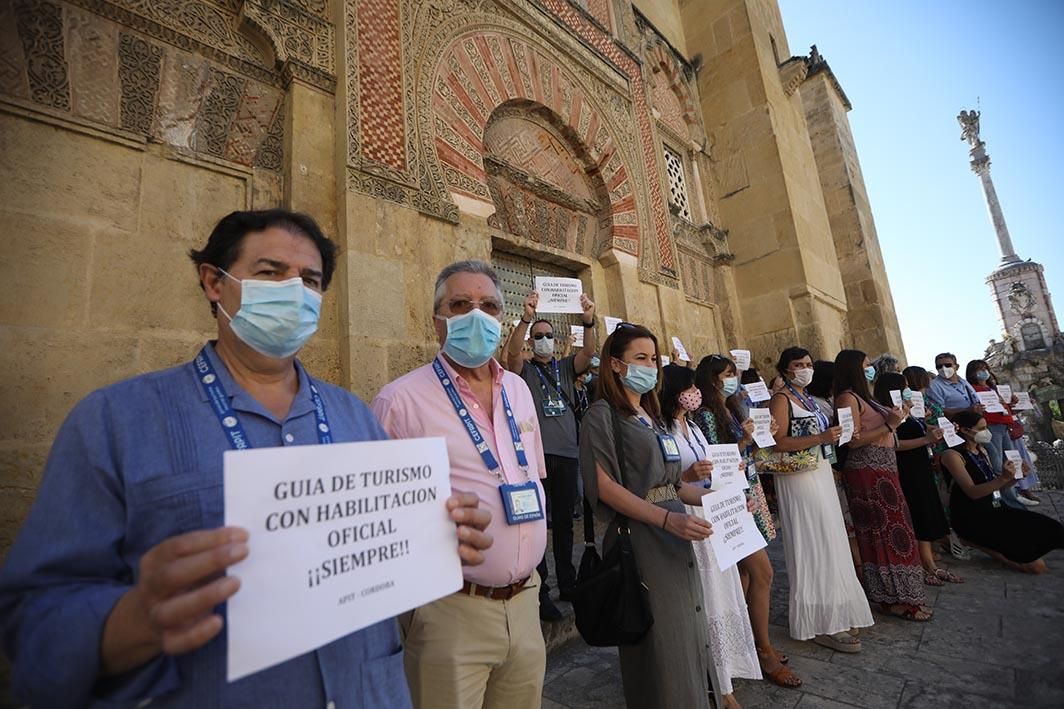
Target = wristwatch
(526,322)
(588,324)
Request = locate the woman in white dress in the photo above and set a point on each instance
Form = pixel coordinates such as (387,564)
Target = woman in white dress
(730,637)
(827,603)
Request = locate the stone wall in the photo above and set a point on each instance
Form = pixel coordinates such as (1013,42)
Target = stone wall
(872,325)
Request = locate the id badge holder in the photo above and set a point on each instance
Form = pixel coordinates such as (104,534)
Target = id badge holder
(553,407)
(670,449)
(521,502)
(829,452)
(996,498)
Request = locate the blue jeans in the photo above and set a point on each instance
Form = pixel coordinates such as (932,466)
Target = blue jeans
(1000,443)
(1031,481)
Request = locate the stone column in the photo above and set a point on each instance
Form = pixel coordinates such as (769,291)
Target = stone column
(981,166)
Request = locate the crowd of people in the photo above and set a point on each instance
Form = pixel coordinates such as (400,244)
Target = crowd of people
(114,592)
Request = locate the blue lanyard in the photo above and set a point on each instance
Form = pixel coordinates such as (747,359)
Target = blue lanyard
(474,431)
(687,437)
(810,405)
(228,419)
(983,465)
(543,381)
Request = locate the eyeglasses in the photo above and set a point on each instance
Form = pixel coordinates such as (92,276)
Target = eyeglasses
(541,335)
(461,306)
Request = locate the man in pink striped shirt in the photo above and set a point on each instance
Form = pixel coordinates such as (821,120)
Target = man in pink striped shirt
(482,646)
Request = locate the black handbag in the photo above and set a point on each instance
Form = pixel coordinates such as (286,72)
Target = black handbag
(610,600)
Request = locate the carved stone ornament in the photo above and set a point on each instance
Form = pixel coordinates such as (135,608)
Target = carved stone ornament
(1020,299)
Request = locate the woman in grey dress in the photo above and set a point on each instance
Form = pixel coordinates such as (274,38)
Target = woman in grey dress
(668,667)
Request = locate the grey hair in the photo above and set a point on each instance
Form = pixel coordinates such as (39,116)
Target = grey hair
(885,362)
(470,266)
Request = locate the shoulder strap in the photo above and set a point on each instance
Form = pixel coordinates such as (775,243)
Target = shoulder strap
(618,439)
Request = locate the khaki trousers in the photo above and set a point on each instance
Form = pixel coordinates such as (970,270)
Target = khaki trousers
(467,652)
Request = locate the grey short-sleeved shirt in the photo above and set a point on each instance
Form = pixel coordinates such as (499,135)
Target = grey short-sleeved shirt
(558,432)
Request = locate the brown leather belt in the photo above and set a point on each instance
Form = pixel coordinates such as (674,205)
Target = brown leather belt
(495,593)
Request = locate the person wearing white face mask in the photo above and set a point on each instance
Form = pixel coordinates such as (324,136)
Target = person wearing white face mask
(1018,538)
(950,391)
(827,603)
(639,476)
(114,592)
(552,381)
(482,646)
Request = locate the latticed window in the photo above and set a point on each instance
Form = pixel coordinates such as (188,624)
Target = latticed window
(677,184)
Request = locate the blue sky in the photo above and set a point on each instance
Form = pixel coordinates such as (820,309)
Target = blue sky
(908,67)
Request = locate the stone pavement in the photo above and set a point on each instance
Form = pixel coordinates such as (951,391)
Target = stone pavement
(996,640)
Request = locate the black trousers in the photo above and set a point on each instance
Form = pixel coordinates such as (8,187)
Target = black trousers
(560,487)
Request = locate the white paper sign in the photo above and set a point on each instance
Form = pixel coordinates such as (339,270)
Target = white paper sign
(757,391)
(990,401)
(1005,392)
(846,423)
(735,535)
(896,397)
(559,295)
(577,332)
(1023,402)
(762,419)
(949,432)
(728,467)
(527,329)
(919,409)
(341,536)
(741,359)
(680,350)
(1017,461)
(611,324)
(665,360)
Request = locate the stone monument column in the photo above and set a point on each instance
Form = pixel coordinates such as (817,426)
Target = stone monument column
(980,164)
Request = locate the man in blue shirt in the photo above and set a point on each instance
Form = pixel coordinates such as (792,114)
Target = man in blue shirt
(952,392)
(114,592)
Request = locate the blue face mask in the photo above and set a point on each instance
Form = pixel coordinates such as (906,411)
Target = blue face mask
(869,373)
(276,318)
(640,379)
(907,394)
(982,375)
(472,338)
(730,386)
(595,361)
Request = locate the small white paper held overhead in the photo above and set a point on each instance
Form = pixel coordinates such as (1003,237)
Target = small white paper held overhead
(949,432)
(918,410)
(741,359)
(680,350)
(990,401)
(1023,402)
(611,324)
(846,423)
(735,535)
(1017,462)
(728,468)
(1005,393)
(559,295)
(577,332)
(762,419)
(757,391)
(342,536)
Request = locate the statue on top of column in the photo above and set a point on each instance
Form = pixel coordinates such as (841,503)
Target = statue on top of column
(969,121)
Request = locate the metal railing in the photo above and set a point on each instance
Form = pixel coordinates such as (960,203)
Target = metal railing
(1050,464)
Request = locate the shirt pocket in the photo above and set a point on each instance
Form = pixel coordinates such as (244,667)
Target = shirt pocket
(172,504)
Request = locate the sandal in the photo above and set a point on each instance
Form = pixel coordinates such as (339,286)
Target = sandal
(931,578)
(782,676)
(917,614)
(947,575)
(854,632)
(839,642)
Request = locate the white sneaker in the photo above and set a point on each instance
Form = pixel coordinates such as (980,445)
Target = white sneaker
(1027,501)
(957,549)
